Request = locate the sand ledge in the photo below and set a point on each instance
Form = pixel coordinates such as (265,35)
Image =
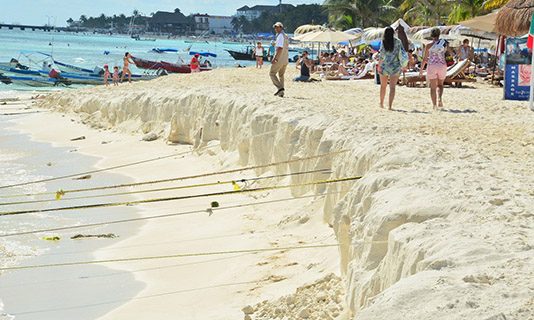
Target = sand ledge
(439,227)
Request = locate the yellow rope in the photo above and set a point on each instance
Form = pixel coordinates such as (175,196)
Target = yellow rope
(209,211)
(120,166)
(60,194)
(115,204)
(136,184)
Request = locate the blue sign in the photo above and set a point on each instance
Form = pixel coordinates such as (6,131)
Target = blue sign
(517,70)
(516,87)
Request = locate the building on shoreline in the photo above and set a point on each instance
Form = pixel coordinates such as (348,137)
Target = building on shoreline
(170,22)
(205,23)
(255,12)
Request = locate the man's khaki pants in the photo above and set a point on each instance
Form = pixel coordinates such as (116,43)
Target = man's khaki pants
(277,74)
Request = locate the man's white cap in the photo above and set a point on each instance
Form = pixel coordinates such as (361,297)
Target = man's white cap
(278,24)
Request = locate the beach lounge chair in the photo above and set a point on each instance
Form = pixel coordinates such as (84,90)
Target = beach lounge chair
(455,75)
(363,74)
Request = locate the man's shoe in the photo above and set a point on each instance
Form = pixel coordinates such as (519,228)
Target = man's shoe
(280,93)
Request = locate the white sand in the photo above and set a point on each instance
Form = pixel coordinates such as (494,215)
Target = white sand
(440,227)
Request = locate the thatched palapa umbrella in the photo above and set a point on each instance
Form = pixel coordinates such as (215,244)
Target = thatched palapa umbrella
(485,23)
(514,18)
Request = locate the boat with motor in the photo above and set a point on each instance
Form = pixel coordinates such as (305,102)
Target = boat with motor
(14,72)
(34,81)
(246,55)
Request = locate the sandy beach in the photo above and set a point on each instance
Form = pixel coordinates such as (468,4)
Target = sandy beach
(439,227)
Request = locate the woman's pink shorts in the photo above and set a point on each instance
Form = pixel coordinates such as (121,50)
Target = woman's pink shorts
(436,71)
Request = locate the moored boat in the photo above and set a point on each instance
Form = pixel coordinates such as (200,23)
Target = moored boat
(247,55)
(34,81)
(167,66)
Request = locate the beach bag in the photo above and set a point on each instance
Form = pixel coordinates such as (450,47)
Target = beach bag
(403,57)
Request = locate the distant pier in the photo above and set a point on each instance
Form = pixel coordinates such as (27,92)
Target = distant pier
(43,28)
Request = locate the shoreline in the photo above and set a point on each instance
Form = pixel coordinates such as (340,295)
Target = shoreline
(200,238)
(439,215)
(83,283)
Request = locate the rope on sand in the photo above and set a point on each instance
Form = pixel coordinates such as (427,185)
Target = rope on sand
(60,194)
(186,255)
(210,211)
(224,193)
(119,166)
(172,256)
(136,184)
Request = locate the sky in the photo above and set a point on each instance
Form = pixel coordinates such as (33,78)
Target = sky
(39,12)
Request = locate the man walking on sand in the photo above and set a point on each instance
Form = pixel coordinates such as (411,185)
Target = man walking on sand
(280,59)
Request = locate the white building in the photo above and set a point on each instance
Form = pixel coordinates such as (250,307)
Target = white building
(220,24)
(255,12)
(205,23)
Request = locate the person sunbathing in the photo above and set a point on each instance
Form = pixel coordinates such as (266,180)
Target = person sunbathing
(304,65)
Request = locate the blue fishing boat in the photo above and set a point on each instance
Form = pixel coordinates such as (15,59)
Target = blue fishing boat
(34,81)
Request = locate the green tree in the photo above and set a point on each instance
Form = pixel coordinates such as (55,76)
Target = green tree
(494,4)
(425,12)
(360,13)
(466,9)
(236,25)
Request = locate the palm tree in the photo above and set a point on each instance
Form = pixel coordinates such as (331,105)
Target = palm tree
(236,24)
(494,4)
(466,9)
(425,12)
(358,13)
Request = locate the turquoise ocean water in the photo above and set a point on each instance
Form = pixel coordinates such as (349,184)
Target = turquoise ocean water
(87,50)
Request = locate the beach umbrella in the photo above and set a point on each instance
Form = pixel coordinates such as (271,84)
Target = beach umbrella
(462,30)
(307,28)
(414,30)
(370,34)
(354,31)
(425,33)
(375,44)
(401,23)
(402,28)
(514,18)
(331,36)
(485,23)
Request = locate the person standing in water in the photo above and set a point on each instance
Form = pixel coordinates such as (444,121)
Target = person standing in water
(126,67)
(434,58)
(280,59)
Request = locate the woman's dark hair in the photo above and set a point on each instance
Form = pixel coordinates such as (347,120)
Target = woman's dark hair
(126,54)
(388,39)
(435,33)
